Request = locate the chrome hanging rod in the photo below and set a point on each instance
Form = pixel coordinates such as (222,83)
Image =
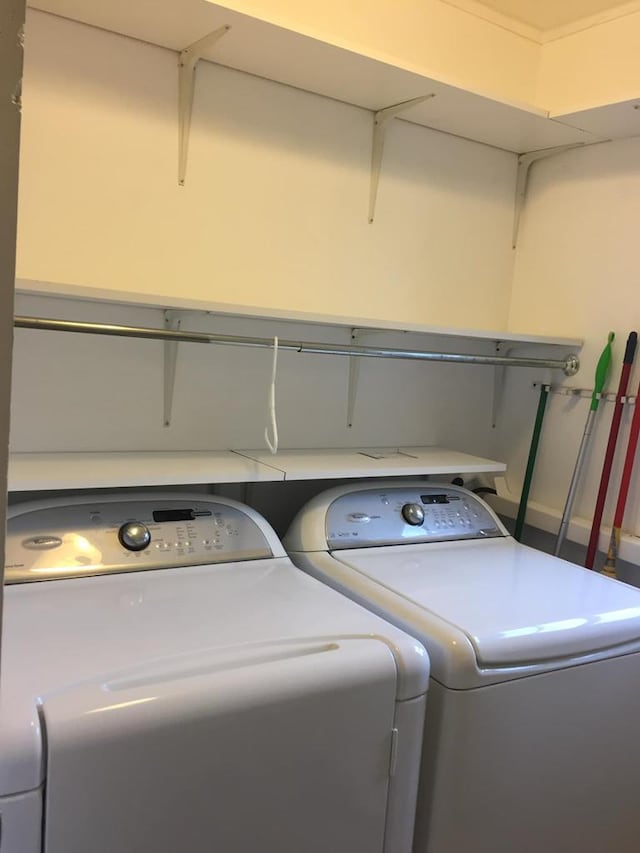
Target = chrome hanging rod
(569,365)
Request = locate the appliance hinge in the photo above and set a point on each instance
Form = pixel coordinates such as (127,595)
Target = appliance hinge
(393,752)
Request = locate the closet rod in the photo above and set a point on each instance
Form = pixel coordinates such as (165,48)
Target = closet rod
(569,364)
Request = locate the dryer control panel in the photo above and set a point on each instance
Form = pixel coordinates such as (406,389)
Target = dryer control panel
(92,537)
(401,514)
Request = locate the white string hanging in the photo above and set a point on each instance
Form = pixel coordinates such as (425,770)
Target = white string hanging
(271,429)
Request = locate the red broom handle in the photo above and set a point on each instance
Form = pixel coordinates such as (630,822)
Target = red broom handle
(627,364)
(625,482)
(616,532)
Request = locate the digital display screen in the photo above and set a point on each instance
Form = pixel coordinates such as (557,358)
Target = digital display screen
(434,499)
(173,515)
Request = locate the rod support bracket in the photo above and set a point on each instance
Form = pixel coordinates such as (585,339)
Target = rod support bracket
(354,375)
(172,321)
(499,376)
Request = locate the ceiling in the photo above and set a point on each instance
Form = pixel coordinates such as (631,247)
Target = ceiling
(549,14)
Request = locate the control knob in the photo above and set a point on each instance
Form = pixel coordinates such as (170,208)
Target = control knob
(134,536)
(413,514)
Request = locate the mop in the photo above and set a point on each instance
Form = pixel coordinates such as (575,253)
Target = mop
(602,370)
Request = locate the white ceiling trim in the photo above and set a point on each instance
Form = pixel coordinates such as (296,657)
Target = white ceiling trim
(621,11)
(479,10)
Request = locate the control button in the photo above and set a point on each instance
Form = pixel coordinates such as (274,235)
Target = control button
(134,536)
(42,543)
(413,514)
(359,517)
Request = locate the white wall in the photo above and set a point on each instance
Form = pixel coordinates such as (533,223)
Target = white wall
(576,271)
(78,392)
(432,36)
(596,65)
(274,210)
(274,214)
(11,18)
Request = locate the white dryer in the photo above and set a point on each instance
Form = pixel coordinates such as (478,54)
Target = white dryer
(171,682)
(532,737)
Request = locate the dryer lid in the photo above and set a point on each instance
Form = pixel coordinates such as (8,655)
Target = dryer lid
(158,625)
(516,606)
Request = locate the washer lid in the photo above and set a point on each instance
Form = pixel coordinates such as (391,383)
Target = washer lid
(514,604)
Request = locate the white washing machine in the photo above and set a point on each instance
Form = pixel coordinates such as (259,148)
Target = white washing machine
(532,736)
(171,682)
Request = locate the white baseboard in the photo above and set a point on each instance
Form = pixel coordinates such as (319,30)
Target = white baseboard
(548,519)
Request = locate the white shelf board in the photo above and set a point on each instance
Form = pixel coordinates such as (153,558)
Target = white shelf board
(334,70)
(43,471)
(610,121)
(254,312)
(87,470)
(372,462)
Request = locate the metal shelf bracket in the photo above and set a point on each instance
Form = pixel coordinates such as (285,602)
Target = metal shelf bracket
(187,62)
(525,162)
(172,322)
(381,120)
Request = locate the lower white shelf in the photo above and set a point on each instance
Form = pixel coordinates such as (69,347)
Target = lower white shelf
(43,471)
(372,462)
(47,471)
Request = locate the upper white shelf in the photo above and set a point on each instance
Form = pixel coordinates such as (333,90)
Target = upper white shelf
(62,291)
(296,59)
(44,471)
(610,121)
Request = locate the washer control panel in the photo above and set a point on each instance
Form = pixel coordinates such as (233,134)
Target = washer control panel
(103,536)
(397,515)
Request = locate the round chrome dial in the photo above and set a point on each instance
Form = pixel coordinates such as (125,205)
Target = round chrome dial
(134,536)
(413,514)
